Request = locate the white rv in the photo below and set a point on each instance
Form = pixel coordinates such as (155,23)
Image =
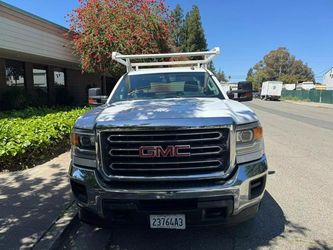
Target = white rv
(289,86)
(271,90)
(305,86)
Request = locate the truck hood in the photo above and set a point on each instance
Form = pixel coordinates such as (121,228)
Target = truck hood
(168,112)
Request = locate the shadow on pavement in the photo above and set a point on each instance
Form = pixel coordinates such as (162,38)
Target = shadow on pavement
(269,225)
(30,202)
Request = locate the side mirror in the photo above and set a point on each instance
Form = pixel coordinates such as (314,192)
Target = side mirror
(232,95)
(244,92)
(95,98)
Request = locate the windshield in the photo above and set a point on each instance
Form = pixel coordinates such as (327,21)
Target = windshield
(166,85)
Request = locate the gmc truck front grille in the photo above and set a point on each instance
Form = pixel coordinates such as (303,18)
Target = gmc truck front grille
(164,152)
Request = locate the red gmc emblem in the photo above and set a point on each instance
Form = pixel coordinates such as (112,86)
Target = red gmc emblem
(158,151)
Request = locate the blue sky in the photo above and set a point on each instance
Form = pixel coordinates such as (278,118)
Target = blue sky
(245,30)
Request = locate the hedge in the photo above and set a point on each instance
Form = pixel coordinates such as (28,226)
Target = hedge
(33,134)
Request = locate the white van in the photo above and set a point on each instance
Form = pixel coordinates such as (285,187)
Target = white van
(271,90)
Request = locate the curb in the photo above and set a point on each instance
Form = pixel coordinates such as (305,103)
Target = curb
(53,237)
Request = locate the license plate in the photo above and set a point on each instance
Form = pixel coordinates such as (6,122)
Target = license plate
(174,221)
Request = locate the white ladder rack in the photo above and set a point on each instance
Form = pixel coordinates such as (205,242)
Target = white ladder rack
(126,59)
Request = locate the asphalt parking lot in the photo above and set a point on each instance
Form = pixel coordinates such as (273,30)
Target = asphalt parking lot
(296,212)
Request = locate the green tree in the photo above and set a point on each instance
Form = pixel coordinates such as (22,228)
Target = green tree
(249,74)
(280,65)
(189,35)
(99,27)
(193,35)
(211,67)
(177,25)
(221,76)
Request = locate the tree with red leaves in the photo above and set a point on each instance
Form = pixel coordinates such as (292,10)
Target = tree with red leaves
(99,27)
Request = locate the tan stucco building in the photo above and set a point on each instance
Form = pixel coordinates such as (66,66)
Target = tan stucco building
(35,54)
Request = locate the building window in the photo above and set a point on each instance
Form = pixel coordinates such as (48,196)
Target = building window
(40,77)
(59,77)
(14,73)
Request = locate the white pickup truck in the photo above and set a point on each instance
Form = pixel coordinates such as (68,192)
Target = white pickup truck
(168,149)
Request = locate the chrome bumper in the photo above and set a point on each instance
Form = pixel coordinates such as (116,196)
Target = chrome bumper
(237,186)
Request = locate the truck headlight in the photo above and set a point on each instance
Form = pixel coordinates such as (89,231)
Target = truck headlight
(248,135)
(249,142)
(83,140)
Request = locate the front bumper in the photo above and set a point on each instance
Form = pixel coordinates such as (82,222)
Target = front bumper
(241,193)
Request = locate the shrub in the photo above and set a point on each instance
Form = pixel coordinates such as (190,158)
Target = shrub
(31,135)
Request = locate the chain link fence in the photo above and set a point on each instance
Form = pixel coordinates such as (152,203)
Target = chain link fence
(313,95)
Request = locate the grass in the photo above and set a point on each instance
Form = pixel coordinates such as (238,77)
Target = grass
(294,98)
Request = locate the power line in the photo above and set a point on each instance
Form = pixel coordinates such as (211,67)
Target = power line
(322,72)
